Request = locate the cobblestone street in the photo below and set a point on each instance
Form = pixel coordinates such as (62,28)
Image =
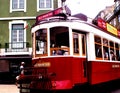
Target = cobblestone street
(5,88)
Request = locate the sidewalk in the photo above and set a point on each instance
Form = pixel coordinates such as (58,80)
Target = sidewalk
(8,88)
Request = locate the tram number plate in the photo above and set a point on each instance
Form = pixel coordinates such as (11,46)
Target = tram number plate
(43,64)
(115,66)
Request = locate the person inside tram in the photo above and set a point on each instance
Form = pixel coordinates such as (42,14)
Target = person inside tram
(112,55)
(98,51)
(60,52)
(52,43)
(105,53)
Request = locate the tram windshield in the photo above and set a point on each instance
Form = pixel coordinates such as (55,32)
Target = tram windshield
(41,41)
(55,41)
(59,41)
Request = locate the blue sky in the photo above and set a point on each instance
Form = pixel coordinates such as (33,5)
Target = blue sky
(89,7)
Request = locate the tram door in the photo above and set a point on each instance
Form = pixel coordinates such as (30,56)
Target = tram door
(79,49)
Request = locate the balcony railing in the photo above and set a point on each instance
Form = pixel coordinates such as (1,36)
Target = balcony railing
(17,47)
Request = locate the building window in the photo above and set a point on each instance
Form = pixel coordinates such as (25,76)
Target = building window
(59,3)
(17,5)
(44,5)
(119,18)
(117,3)
(17,34)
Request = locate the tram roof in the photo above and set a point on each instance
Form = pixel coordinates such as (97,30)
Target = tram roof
(59,17)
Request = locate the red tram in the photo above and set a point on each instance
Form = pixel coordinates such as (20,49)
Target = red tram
(76,50)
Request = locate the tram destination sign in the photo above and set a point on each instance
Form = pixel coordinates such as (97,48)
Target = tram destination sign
(49,14)
(112,29)
(43,64)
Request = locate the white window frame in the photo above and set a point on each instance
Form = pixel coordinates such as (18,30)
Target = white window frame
(59,3)
(38,9)
(17,22)
(24,9)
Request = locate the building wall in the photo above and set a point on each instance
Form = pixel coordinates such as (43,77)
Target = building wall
(29,16)
(4,36)
(31,9)
(107,13)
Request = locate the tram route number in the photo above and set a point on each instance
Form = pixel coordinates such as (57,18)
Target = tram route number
(42,64)
(115,66)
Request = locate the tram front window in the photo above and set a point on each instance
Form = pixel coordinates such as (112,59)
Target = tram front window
(41,41)
(59,41)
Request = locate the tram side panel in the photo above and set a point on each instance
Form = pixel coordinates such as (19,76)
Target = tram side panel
(69,71)
(100,72)
(79,71)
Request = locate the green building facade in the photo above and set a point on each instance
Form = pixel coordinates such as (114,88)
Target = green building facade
(16,20)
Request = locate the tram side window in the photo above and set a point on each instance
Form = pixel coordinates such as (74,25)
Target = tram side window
(83,45)
(117,52)
(98,47)
(112,51)
(105,49)
(41,41)
(79,43)
(75,43)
